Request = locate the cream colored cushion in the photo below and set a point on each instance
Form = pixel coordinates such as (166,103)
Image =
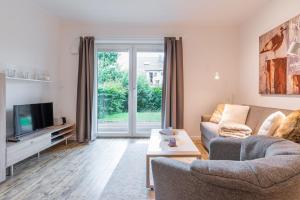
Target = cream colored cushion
(232,129)
(217,115)
(271,124)
(235,113)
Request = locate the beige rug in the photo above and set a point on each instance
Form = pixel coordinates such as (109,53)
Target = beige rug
(129,178)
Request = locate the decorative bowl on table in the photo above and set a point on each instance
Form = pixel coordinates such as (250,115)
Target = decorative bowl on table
(168,133)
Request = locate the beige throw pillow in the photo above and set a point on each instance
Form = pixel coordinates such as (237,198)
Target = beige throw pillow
(235,113)
(217,115)
(271,124)
(290,127)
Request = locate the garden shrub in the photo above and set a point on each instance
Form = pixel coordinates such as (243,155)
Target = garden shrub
(113,89)
(143,94)
(155,99)
(111,98)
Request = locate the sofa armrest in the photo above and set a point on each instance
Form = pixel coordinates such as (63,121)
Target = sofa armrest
(205,118)
(172,180)
(221,148)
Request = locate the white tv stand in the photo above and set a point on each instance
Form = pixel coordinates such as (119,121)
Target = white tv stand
(36,142)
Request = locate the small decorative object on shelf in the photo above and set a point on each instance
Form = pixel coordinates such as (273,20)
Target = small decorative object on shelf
(37,75)
(26,75)
(11,72)
(27,79)
(47,77)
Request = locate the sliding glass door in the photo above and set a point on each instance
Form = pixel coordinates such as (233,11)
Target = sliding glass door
(149,76)
(129,89)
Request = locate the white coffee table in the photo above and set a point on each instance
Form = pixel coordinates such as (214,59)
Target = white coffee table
(185,150)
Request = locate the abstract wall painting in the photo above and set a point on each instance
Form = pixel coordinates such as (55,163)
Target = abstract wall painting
(279,73)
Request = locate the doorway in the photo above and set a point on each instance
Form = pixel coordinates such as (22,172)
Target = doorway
(129,89)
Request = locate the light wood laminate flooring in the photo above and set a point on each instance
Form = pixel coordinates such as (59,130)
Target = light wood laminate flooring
(76,171)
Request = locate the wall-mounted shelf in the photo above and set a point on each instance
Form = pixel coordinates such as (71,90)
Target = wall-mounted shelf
(27,79)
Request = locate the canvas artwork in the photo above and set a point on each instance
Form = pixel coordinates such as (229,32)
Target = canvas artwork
(279,73)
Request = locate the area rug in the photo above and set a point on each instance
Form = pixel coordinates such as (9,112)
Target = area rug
(128,181)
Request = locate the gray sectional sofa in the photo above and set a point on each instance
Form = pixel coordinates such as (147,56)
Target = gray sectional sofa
(256,117)
(266,168)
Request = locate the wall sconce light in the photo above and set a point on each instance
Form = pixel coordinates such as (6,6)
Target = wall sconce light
(294,49)
(217,76)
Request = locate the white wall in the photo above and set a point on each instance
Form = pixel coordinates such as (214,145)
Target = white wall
(268,17)
(29,39)
(206,50)
(34,41)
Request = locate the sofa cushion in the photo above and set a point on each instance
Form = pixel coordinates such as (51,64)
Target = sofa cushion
(290,127)
(217,115)
(256,146)
(209,130)
(271,123)
(284,147)
(257,115)
(235,113)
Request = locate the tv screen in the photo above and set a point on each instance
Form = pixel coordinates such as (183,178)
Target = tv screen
(32,117)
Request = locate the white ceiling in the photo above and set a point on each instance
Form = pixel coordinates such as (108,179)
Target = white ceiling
(203,12)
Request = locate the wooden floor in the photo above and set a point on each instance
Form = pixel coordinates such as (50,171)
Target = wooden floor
(73,172)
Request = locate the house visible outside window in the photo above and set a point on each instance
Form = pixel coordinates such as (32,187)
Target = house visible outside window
(151,77)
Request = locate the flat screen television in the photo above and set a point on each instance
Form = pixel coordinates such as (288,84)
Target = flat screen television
(32,117)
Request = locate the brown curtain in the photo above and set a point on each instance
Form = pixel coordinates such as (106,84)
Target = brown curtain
(172,100)
(85,89)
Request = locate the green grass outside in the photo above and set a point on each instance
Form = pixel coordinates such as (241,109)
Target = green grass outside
(141,117)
